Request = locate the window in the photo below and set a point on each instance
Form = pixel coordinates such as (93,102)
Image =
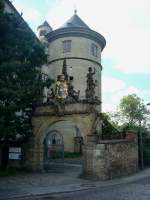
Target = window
(94,50)
(44,76)
(66,46)
(54,138)
(42,32)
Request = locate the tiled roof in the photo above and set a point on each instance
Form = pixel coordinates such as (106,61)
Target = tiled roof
(45,23)
(75,21)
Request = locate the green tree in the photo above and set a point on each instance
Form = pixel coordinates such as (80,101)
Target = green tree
(133,109)
(132,113)
(21,82)
(109,128)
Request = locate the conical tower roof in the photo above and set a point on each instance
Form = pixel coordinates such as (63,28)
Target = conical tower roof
(75,26)
(45,23)
(75,21)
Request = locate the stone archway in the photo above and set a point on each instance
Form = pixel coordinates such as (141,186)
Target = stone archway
(76,122)
(62,143)
(69,130)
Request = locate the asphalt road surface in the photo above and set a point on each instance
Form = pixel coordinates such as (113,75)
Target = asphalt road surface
(137,190)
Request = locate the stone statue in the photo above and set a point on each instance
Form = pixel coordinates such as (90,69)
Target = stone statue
(61,87)
(90,80)
(64,88)
(91,84)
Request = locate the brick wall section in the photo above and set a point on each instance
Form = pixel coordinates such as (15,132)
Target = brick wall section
(110,159)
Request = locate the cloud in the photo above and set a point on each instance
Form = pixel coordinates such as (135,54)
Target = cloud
(29,13)
(112,85)
(114,89)
(32,15)
(54,2)
(133,54)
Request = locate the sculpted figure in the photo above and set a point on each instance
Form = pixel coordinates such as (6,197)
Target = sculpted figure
(91,84)
(90,80)
(61,87)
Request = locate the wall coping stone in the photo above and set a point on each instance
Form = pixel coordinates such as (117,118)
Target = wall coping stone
(66,109)
(114,141)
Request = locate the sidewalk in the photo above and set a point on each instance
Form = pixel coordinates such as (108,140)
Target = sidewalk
(29,185)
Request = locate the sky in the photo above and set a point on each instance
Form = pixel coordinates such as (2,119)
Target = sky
(125,25)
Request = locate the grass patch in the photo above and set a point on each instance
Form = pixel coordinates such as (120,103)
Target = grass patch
(72,155)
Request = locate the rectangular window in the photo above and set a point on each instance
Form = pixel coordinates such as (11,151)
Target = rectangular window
(66,46)
(42,32)
(94,50)
(44,76)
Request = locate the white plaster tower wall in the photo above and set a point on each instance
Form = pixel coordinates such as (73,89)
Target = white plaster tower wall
(79,59)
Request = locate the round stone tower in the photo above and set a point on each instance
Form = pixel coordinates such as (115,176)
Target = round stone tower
(43,30)
(81,47)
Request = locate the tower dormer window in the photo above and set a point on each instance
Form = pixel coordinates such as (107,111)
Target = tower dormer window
(94,50)
(66,46)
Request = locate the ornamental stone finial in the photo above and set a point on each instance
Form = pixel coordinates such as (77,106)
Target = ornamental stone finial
(75,11)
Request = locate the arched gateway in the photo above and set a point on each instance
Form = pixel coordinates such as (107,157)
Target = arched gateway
(55,133)
(62,137)
(53,151)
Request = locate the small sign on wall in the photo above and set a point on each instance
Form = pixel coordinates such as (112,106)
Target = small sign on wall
(14,153)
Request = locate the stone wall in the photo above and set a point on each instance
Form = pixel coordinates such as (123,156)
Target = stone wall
(46,119)
(110,159)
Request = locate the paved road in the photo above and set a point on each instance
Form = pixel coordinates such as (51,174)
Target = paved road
(138,190)
(68,186)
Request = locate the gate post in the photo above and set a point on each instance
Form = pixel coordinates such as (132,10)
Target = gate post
(88,154)
(78,141)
